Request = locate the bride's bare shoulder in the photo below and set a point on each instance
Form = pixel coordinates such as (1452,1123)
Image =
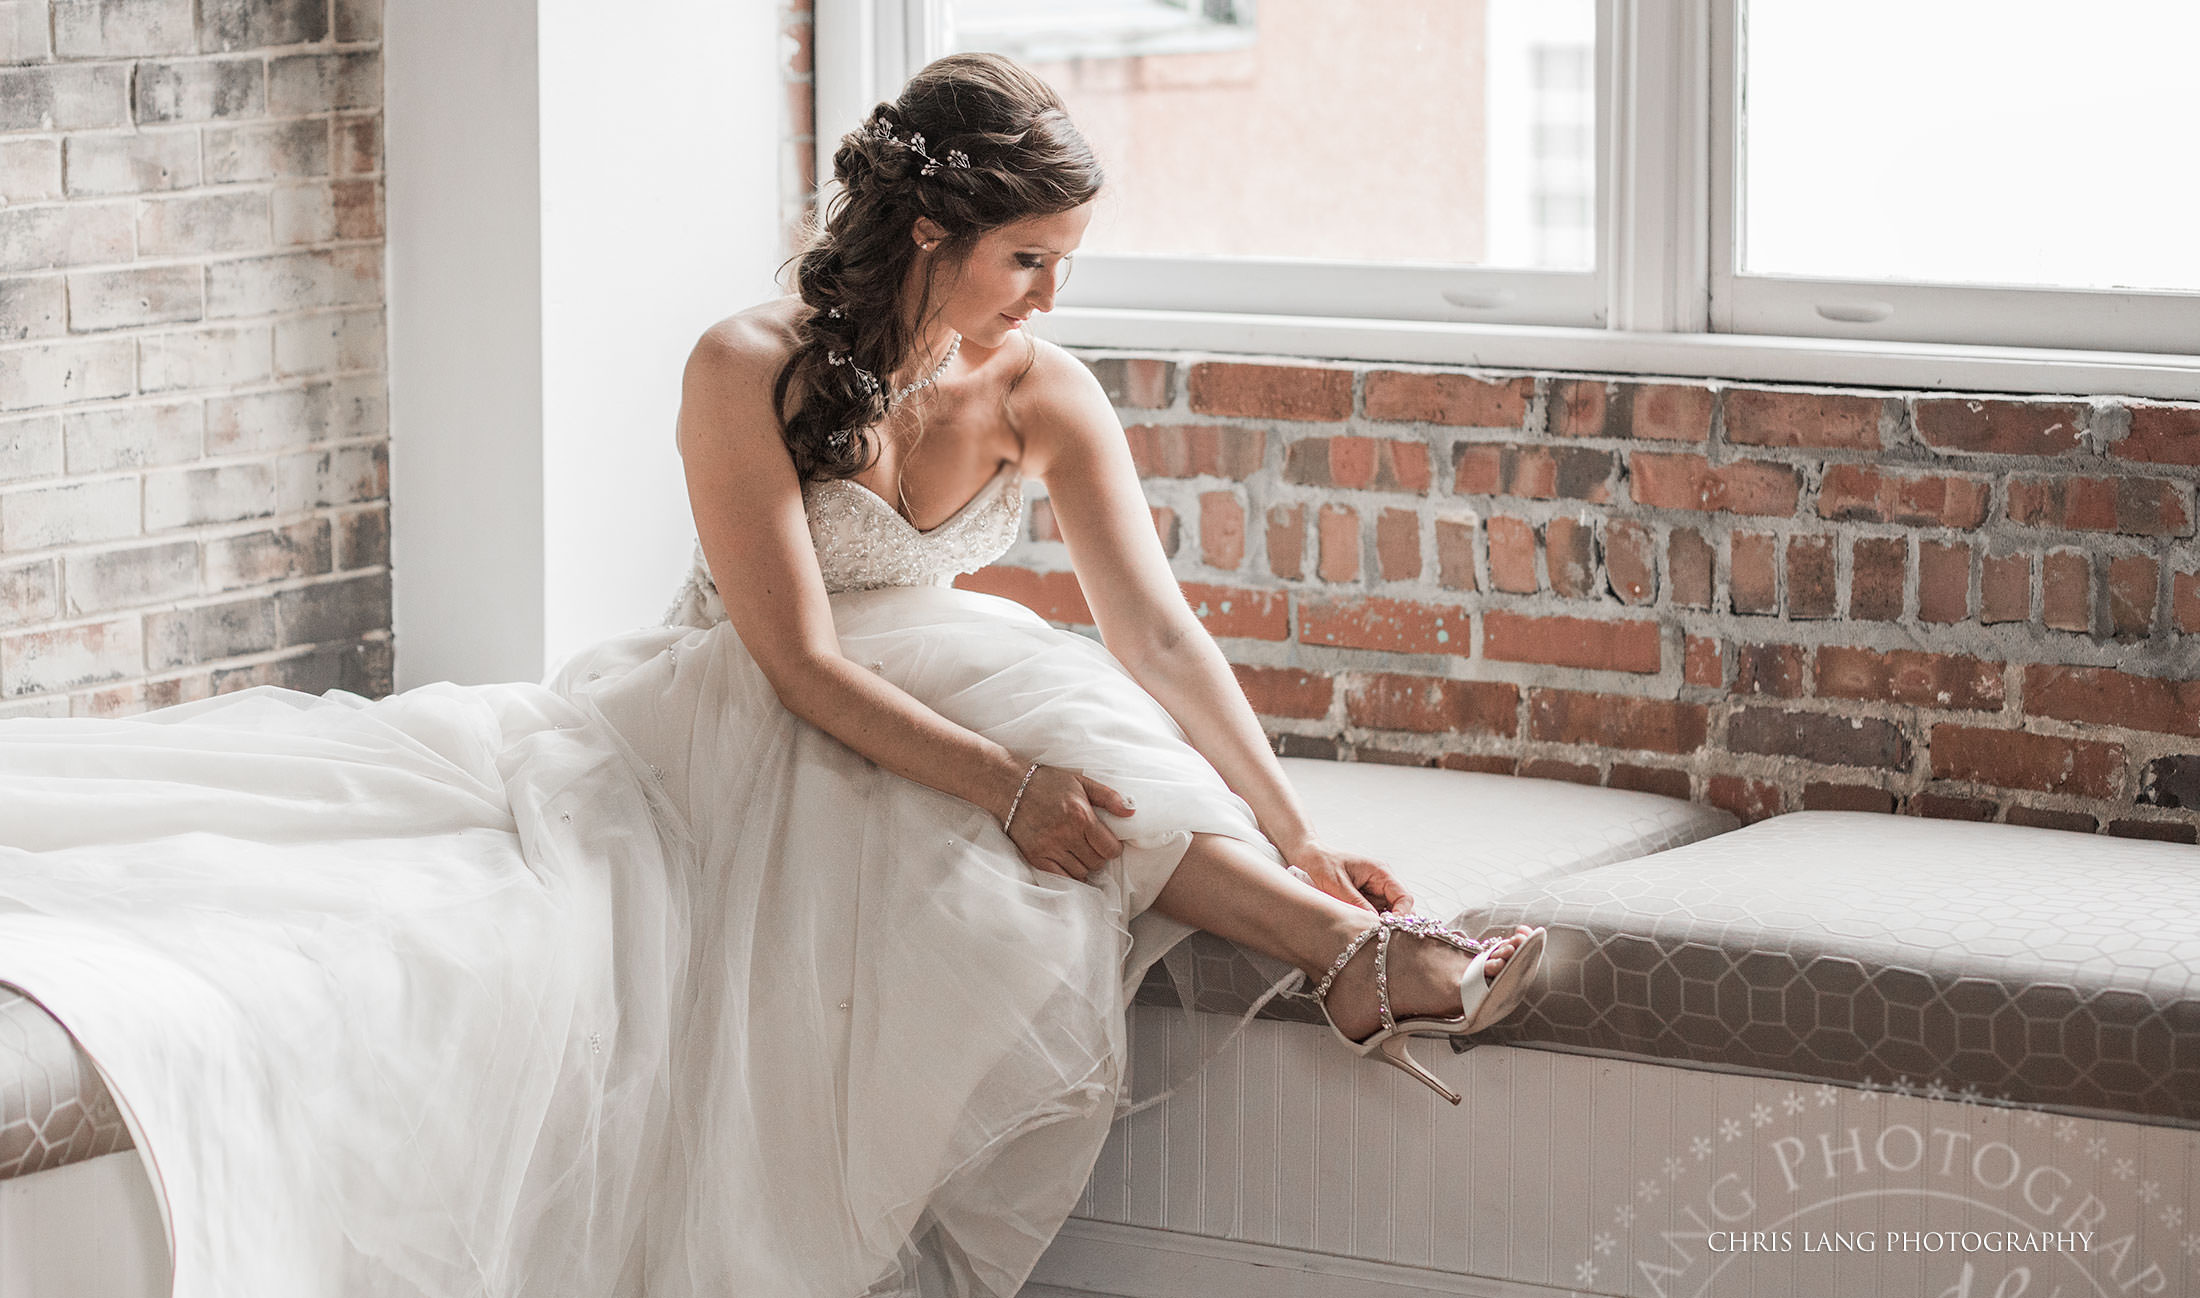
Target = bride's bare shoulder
(1055,402)
(761,336)
(730,372)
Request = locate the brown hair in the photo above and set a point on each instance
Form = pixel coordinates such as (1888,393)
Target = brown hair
(1025,159)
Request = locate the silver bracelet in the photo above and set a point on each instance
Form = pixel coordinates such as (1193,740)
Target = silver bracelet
(1010,819)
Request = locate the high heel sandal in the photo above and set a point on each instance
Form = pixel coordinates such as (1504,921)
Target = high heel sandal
(1482,1001)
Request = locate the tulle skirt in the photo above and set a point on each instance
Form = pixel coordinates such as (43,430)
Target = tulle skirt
(636,983)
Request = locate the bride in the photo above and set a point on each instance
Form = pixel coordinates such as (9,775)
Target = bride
(783,949)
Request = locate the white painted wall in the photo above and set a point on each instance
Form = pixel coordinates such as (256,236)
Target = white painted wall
(661,127)
(574,193)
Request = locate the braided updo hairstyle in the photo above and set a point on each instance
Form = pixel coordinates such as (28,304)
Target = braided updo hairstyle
(1020,157)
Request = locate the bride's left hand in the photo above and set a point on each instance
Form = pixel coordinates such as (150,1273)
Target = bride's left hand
(1347,876)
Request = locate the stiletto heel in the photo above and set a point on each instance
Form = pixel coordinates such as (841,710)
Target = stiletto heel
(1482,1002)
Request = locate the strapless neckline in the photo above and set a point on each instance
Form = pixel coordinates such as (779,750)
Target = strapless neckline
(1007,468)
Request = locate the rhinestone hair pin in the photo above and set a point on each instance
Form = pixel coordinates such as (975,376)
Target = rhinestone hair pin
(879,130)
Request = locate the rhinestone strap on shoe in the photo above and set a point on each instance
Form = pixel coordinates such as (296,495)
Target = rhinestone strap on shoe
(1385,924)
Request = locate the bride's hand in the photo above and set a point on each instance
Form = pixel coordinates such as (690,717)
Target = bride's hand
(1056,828)
(1360,880)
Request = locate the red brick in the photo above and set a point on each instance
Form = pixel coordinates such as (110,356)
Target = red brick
(2066,587)
(1948,806)
(1810,570)
(1457,400)
(2162,435)
(1358,463)
(1860,493)
(1664,781)
(1455,553)
(1879,570)
(1165,527)
(1753,574)
(1546,768)
(1911,676)
(1396,625)
(1703,661)
(2073,822)
(1583,408)
(1824,796)
(1479,763)
(2184,601)
(1943,581)
(1196,450)
(1533,472)
(1381,756)
(1674,412)
(1135,382)
(1688,558)
(1671,412)
(1631,561)
(1665,481)
(1998,427)
(2015,759)
(2133,581)
(1512,555)
(1570,557)
(2161,831)
(1271,391)
(2133,506)
(2005,588)
(2107,697)
(1055,596)
(1338,527)
(1043,527)
(1285,691)
(1431,706)
(1287,541)
(1597,644)
(1398,544)
(1818,737)
(1238,611)
(1774,670)
(1616,721)
(1221,529)
(1751,800)
(1785,417)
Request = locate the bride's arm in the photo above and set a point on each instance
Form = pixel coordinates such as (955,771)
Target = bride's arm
(748,515)
(1075,444)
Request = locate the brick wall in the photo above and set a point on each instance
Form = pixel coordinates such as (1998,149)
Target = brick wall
(193,414)
(1764,598)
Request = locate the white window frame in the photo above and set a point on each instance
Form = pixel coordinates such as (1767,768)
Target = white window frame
(1665,299)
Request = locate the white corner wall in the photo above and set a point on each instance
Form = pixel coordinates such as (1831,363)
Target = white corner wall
(575,193)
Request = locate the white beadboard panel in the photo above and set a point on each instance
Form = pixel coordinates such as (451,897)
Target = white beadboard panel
(1571,1173)
(86,1230)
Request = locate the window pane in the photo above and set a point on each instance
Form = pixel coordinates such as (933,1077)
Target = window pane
(2006,142)
(1454,131)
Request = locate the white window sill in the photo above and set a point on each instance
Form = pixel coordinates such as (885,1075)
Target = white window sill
(1821,361)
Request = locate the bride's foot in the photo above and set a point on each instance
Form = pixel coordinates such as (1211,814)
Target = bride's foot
(1423,975)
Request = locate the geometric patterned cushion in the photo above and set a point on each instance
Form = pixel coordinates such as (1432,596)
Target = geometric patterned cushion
(1935,956)
(1456,839)
(54,1109)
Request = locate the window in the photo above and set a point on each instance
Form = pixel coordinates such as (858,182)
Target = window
(1339,173)
(2003,171)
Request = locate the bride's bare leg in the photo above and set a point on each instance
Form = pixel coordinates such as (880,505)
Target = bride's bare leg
(1225,887)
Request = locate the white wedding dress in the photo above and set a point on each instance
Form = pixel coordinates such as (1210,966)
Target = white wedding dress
(633,983)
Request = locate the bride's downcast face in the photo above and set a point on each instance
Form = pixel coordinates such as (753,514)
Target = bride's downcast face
(1010,274)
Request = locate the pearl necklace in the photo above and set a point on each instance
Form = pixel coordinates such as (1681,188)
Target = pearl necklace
(928,379)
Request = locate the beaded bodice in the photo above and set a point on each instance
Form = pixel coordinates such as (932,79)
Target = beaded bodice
(862,542)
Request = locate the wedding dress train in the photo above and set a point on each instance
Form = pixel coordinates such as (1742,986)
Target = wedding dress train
(630,983)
